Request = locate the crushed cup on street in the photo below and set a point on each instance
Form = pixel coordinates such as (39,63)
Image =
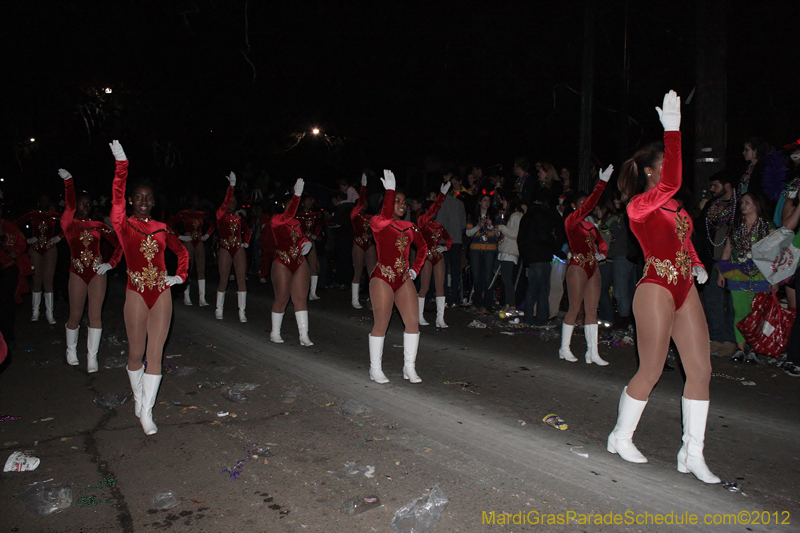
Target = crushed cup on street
(21,462)
(555,421)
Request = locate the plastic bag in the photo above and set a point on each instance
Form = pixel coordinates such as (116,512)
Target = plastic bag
(420,514)
(768,326)
(775,255)
(47,498)
(21,462)
(234,395)
(166,499)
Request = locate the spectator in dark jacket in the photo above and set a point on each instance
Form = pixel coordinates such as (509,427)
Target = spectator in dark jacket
(538,241)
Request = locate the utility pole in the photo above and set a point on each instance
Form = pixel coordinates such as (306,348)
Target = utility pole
(587,95)
(711,92)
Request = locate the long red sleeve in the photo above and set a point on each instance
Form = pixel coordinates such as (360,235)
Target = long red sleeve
(426,217)
(671,174)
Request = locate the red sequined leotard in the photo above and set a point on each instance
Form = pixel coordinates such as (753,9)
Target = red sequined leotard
(664,229)
(288,235)
(433,232)
(362,232)
(392,242)
(143,241)
(192,223)
(43,226)
(83,236)
(584,238)
(233,230)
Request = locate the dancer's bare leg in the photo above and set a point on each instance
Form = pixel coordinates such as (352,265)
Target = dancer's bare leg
(77,300)
(311,260)
(225,261)
(49,268)
(654,310)
(591,297)
(406,301)
(135,312)
(37,261)
(438,278)
(371,259)
(240,268)
(382,297)
(425,279)
(158,321)
(358,263)
(300,282)
(189,248)
(200,259)
(281,286)
(576,283)
(97,293)
(690,332)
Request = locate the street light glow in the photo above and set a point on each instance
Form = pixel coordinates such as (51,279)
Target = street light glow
(107,90)
(315,131)
(33,140)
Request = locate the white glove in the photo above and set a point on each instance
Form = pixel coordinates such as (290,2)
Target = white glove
(600,257)
(33,240)
(102,269)
(298,187)
(55,240)
(389,183)
(173,280)
(231,179)
(445,187)
(64,174)
(184,238)
(441,249)
(605,175)
(205,237)
(670,114)
(700,273)
(117,151)
(245,245)
(412,275)
(363,180)
(306,247)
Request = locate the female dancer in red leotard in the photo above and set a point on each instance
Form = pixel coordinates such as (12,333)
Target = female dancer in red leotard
(87,272)
(392,280)
(234,238)
(148,303)
(43,254)
(433,233)
(587,247)
(192,221)
(363,245)
(666,303)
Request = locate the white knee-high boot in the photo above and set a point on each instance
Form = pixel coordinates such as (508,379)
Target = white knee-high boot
(375,356)
(48,308)
(201,293)
(410,346)
(621,438)
(242,296)
(592,354)
(220,305)
(187,294)
(93,345)
(72,345)
(440,305)
(36,302)
(302,327)
(422,321)
(277,320)
(354,289)
(312,290)
(150,385)
(135,377)
(690,456)
(566,336)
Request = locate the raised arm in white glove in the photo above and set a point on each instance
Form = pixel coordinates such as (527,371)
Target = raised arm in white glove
(116,149)
(231,179)
(363,180)
(605,175)
(700,273)
(173,280)
(305,247)
(298,187)
(185,238)
(445,187)
(103,268)
(670,113)
(389,183)
(63,174)
(55,240)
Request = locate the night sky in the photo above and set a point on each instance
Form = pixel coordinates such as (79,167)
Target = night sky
(202,87)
